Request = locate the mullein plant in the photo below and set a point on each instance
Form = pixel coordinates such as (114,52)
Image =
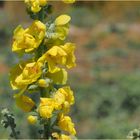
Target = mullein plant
(44,72)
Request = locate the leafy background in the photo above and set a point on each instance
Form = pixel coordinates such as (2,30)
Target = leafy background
(106,80)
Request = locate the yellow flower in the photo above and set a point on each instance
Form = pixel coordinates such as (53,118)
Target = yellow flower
(26,40)
(59,77)
(32,119)
(62,20)
(43,83)
(14,72)
(66,107)
(43,2)
(60,136)
(64,137)
(55,135)
(54,56)
(68,94)
(69,49)
(30,74)
(35,5)
(64,97)
(46,107)
(38,29)
(65,123)
(59,55)
(25,103)
(68,1)
(46,111)
(24,74)
(62,26)
(57,31)
(59,98)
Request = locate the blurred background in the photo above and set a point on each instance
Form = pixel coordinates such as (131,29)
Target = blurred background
(106,81)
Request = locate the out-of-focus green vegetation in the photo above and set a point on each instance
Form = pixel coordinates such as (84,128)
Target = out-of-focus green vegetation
(106,80)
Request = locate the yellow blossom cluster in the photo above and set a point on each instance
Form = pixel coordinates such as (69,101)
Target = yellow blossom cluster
(36,5)
(27,40)
(61,101)
(45,70)
(60,137)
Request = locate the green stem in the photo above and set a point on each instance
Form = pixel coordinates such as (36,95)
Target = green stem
(14,132)
(46,133)
(41,15)
(47,129)
(44,92)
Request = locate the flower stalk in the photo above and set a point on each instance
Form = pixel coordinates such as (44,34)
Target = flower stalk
(45,72)
(9,121)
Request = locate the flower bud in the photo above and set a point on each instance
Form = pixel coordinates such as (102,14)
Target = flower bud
(42,83)
(42,2)
(68,1)
(32,119)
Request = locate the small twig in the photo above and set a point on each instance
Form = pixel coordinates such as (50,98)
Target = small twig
(9,122)
(12,126)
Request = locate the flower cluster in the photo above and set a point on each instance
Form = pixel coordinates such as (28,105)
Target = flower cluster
(36,5)
(44,71)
